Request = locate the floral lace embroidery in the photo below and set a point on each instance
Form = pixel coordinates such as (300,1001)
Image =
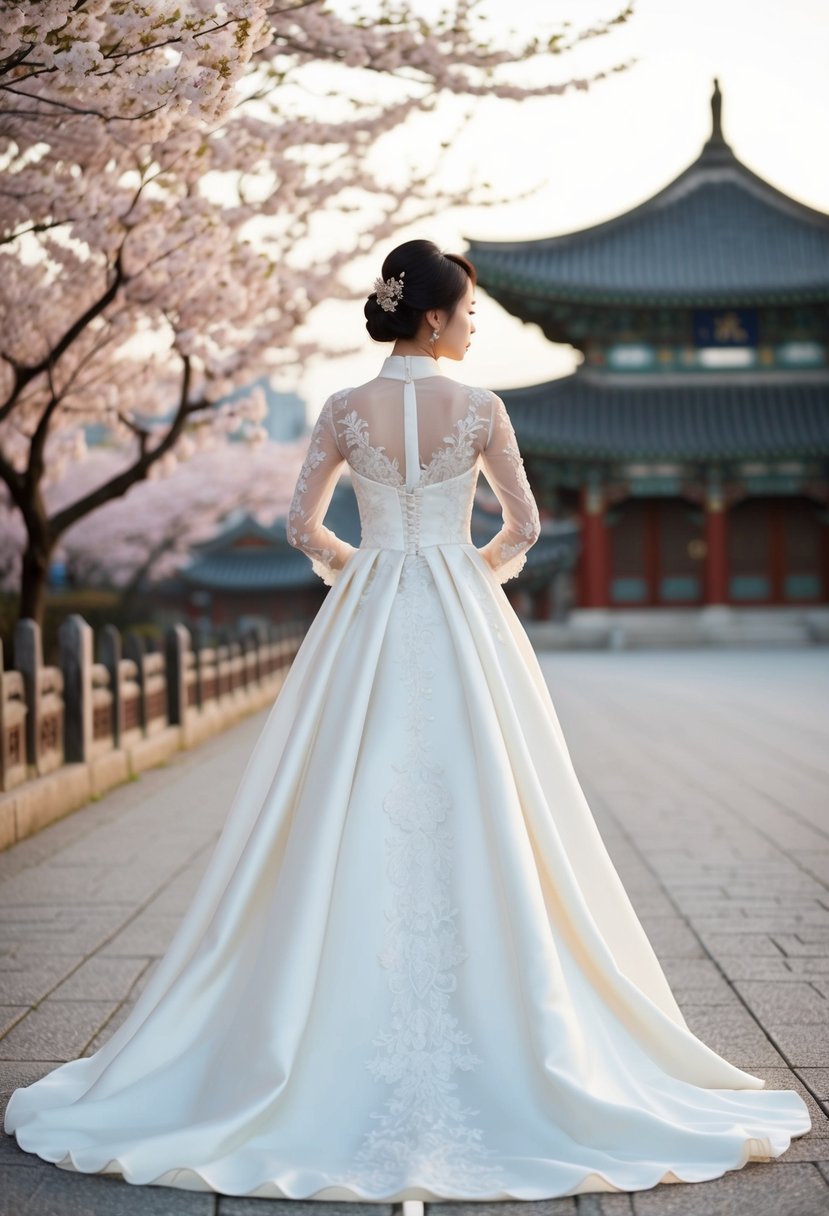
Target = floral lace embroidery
(513,556)
(460,452)
(370,461)
(493,615)
(423,1138)
(446,462)
(321,557)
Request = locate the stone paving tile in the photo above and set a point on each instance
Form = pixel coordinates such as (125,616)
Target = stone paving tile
(107,1030)
(147,935)
(808,1148)
(691,971)
(88,884)
(785,1078)
(565,1206)
(102,979)
(772,923)
(803,1046)
(10,1015)
(44,1190)
(732,1033)
(26,979)
(12,1157)
(812,943)
(759,1188)
(59,929)
(14,1073)
(176,897)
(672,937)
(762,967)
(56,1030)
(818,1080)
(733,909)
(722,944)
(796,1002)
(240,1206)
(714,994)
(597,1204)
(815,861)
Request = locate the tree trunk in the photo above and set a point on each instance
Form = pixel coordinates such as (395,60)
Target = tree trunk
(33,581)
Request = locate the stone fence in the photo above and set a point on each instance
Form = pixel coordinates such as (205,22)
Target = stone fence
(71,732)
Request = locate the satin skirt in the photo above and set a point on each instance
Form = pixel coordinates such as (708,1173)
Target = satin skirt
(411,970)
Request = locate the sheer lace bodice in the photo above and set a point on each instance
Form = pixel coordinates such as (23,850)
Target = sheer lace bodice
(414,455)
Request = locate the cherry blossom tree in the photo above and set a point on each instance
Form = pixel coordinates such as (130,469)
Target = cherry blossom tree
(164,170)
(146,535)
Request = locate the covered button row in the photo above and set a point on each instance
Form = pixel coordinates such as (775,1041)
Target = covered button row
(411,503)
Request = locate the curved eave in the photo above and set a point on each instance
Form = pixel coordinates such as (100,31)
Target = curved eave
(582,419)
(522,290)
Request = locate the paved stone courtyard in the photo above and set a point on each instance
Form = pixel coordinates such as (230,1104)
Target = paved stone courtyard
(708,774)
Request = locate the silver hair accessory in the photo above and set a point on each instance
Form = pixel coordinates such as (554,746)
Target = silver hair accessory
(389,291)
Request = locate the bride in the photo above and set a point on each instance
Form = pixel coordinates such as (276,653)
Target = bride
(411,971)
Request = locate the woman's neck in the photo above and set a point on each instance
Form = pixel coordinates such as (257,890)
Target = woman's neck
(412,348)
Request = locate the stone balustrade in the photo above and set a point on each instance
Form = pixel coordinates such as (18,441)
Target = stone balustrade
(114,706)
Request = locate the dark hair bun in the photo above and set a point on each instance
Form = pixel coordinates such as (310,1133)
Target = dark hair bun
(432,280)
(386,326)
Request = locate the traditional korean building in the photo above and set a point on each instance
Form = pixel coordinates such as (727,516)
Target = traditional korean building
(692,442)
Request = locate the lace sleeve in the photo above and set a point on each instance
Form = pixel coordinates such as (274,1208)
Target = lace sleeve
(504,470)
(315,485)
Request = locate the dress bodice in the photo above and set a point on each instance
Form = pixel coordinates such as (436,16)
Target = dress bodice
(414,442)
(412,517)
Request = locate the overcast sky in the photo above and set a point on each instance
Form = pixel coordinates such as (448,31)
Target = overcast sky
(598,153)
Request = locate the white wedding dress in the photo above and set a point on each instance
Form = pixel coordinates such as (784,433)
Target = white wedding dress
(411,971)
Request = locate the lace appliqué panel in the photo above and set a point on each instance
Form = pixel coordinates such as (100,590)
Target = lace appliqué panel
(424,1136)
(373,462)
(461,449)
(512,555)
(303,529)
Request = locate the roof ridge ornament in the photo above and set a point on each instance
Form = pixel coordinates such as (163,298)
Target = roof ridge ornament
(716,113)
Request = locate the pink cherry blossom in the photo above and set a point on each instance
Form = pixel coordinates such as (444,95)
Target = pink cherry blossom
(163,164)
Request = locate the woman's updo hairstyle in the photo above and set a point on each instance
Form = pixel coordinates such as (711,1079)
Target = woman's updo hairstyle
(432,280)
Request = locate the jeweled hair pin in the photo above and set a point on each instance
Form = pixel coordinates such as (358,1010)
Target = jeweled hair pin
(389,291)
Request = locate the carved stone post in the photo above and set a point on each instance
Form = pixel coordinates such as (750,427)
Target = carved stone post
(28,659)
(75,645)
(177,648)
(111,650)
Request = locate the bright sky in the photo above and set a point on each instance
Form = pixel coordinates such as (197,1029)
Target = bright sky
(596,154)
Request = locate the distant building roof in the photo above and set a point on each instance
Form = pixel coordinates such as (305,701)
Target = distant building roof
(251,570)
(717,233)
(743,415)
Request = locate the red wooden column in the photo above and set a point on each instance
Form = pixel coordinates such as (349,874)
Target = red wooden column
(716,545)
(595,556)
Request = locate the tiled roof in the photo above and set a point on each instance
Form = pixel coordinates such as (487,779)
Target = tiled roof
(251,570)
(717,233)
(747,417)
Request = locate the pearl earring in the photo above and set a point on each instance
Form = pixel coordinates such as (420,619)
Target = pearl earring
(435,335)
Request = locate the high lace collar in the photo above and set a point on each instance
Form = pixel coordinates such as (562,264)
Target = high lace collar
(409,367)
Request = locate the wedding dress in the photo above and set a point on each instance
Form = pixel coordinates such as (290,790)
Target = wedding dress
(411,971)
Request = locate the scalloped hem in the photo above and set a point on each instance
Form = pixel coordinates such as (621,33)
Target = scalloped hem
(759,1149)
(326,572)
(511,568)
